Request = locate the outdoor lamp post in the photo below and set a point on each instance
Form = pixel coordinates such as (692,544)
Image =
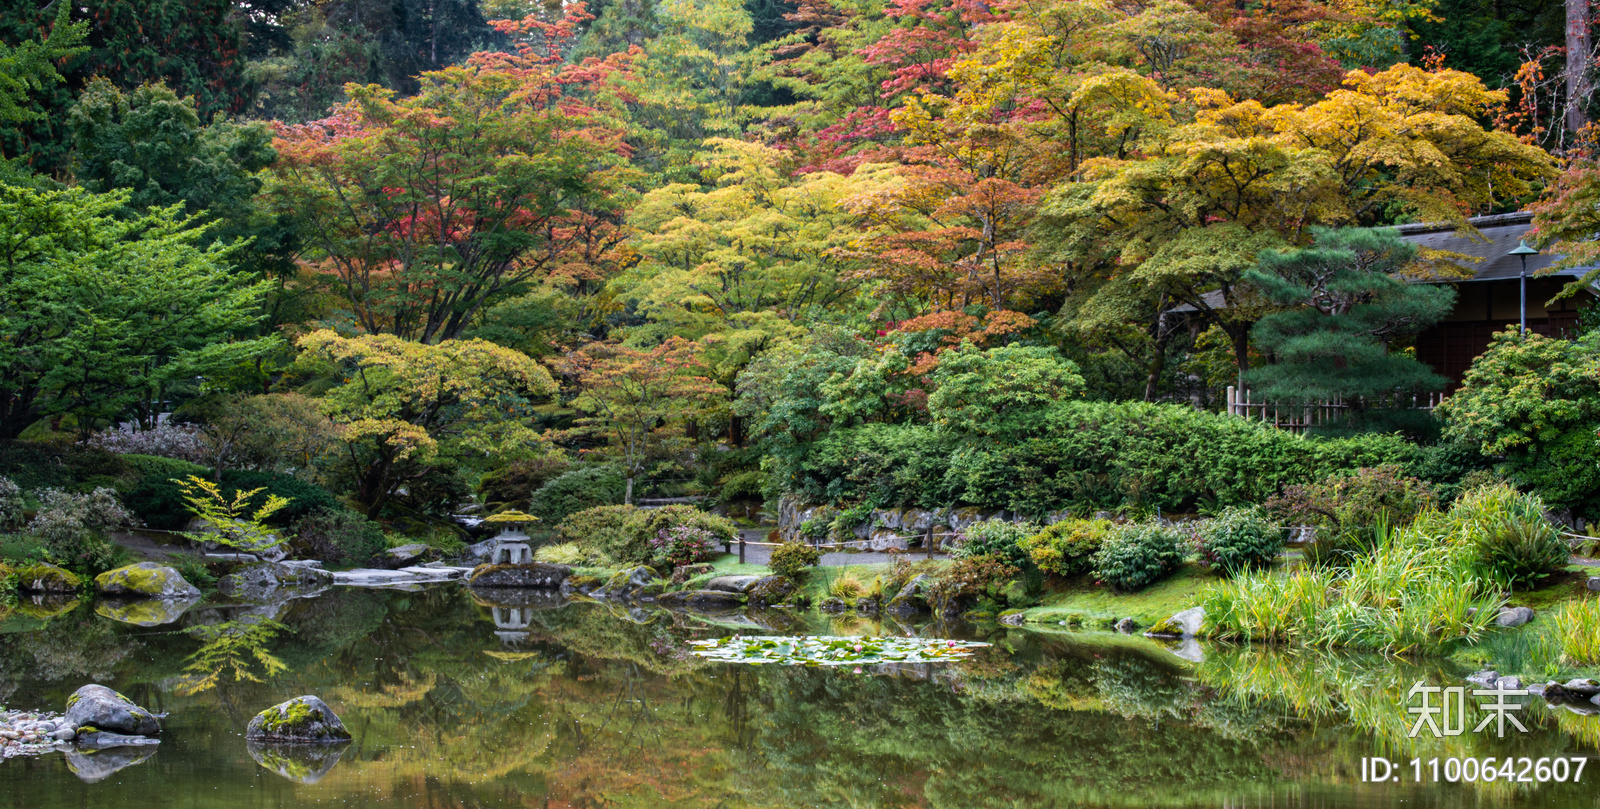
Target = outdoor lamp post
(1522,252)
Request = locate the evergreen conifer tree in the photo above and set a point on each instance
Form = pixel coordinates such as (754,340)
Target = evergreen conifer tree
(1350,304)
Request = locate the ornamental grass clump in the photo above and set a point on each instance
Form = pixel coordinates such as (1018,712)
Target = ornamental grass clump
(1577,624)
(1509,536)
(1417,590)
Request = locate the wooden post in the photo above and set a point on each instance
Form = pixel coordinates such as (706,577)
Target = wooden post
(928,541)
(741,547)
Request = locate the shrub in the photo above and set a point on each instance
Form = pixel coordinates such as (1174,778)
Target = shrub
(998,538)
(576,490)
(1349,510)
(72,527)
(1124,455)
(794,560)
(71,467)
(1238,539)
(1508,533)
(1067,548)
(969,579)
(1135,556)
(682,545)
(337,536)
(743,486)
(609,534)
(168,439)
(721,529)
(155,466)
(11,504)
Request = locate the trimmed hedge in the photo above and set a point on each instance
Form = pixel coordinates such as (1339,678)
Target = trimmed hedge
(1088,455)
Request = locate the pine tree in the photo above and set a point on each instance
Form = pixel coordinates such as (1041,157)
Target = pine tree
(1352,304)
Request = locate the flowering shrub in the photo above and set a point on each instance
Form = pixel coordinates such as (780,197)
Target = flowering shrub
(11,504)
(167,440)
(683,545)
(72,527)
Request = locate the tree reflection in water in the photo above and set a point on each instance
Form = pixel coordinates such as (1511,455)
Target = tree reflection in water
(596,705)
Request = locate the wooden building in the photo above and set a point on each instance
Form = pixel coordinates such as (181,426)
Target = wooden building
(1491,300)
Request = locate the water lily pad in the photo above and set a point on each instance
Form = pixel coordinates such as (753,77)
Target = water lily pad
(824,650)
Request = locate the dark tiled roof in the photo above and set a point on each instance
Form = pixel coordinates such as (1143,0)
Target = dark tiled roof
(1501,233)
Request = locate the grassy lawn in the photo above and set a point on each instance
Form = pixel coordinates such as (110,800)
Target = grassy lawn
(1082,602)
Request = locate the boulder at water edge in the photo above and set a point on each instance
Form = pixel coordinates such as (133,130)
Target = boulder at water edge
(640,581)
(1185,624)
(534,574)
(145,579)
(47,578)
(911,599)
(269,581)
(302,719)
(702,600)
(97,708)
(772,590)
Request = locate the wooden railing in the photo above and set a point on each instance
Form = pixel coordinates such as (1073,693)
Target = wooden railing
(1300,416)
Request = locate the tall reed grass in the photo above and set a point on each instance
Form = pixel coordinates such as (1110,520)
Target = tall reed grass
(1578,626)
(1416,591)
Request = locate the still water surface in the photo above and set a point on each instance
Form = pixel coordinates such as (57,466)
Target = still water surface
(592,706)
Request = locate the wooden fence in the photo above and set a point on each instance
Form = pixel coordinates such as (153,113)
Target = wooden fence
(1299,416)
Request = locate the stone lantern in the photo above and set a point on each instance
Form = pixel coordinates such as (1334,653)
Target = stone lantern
(511,545)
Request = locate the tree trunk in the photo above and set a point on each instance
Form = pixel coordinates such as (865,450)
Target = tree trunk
(627,499)
(1577,64)
(1158,363)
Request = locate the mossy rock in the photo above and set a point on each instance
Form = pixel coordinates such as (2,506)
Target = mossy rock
(1186,624)
(42,577)
(302,719)
(535,574)
(773,590)
(103,710)
(147,580)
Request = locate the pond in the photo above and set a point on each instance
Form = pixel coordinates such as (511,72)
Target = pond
(455,703)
